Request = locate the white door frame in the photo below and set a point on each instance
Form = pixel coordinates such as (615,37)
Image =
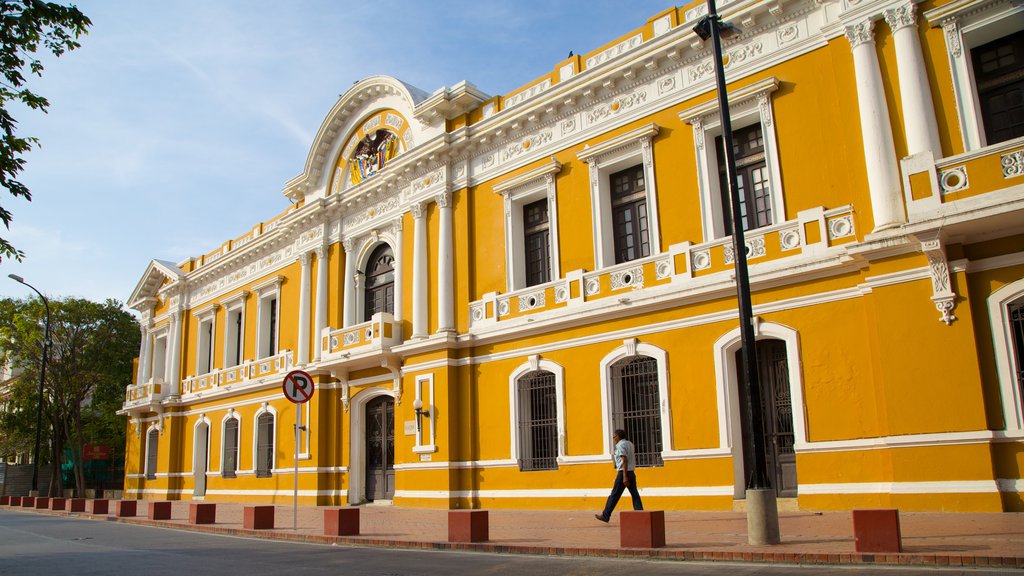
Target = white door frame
(357,445)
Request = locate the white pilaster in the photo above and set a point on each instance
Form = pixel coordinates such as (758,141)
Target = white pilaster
(321,299)
(419,271)
(879,151)
(143,369)
(919,124)
(445,258)
(399,277)
(349,304)
(302,350)
(173,363)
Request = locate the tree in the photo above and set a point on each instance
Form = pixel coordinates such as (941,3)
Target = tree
(25,25)
(89,365)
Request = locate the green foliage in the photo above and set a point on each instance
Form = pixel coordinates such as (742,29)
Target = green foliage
(25,26)
(88,367)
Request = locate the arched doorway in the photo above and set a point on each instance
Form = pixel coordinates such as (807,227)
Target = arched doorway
(380,283)
(777,409)
(380,448)
(201,450)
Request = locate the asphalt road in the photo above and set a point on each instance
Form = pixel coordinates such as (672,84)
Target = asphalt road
(39,544)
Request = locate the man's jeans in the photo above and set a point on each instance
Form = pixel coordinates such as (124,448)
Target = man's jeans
(613,498)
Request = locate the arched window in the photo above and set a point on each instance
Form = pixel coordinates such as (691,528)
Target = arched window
(637,406)
(1015,312)
(152,445)
(380,282)
(538,421)
(264,445)
(229,463)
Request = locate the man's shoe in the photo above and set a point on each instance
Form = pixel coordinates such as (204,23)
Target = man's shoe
(601,518)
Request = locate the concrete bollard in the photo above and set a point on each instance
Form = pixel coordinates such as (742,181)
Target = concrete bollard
(159,511)
(42,503)
(28,501)
(5,500)
(99,506)
(642,529)
(341,521)
(76,505)
(126,508)
(15,501)
(202,513)
(877,530)
(58,503)
(467,526)
(258,518)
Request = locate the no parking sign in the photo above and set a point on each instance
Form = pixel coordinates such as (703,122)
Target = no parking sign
(298,386)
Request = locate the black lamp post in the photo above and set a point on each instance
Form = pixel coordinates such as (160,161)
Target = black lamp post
(762,512)
(42,381)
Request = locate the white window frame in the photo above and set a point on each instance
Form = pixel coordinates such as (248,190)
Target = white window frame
(370,244)
(266,291)
(1006,364)
(747,106)
(205,338)
(158,370)
(967,26)
(630,348)
(203,420)
(533,364)
(151,474)
(426,381)
(605,159)
(231,415)
(233,305)
(517,192)
(266,408)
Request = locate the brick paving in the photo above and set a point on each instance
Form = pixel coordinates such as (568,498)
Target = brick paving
(941,539)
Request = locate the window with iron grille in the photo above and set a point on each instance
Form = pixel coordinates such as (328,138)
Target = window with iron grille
(1016,310)
(538,421)
(379,292)
(264,445)
(230,463)
(751,179)
(637,408)
(152,444)
(629,214)
(537,238)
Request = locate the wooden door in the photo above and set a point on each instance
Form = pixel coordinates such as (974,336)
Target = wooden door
(380,449)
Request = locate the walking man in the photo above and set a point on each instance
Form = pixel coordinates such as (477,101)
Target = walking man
(624,457)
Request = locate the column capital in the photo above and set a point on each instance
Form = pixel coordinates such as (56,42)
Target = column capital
(304,258)
(321,252)
(902,16)
(419,210)
(860,33)
(348,244)
(444,200)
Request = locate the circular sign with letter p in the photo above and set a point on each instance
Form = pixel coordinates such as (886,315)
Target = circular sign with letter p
(298,386)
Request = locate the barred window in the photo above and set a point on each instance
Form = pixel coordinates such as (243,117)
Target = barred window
(638,406)
(264,445)
(538,421)
(1016,310)
(152,444)
(230,462)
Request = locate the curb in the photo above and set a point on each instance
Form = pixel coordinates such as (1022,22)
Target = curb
(793,558)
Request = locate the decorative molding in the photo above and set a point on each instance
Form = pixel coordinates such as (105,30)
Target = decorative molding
(1013,164)
(902,16)
(860,33)
(942,292)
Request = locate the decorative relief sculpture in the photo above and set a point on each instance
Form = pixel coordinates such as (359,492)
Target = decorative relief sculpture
(372,153)
(1013,164)
(942,292)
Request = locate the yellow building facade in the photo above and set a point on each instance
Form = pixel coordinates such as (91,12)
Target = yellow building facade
(485,287)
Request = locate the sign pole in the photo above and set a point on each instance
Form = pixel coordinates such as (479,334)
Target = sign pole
(295,507)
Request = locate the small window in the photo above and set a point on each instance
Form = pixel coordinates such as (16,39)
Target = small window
(751,179)
(152,446)
(537,241)
(538,421)
(999,76)
(230,461)
(380,283)
(629,214)
(264,445)
(638,406)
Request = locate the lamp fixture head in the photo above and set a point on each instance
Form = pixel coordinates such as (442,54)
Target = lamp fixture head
(16,278)
(726,31)
(417,404)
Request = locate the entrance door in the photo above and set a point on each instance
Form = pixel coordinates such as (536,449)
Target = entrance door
(777,408)
(202,444)
(380,449)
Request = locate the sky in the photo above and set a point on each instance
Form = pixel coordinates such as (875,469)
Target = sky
(177,123)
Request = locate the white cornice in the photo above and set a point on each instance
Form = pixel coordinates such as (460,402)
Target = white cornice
(739,96)
(551,167)
(590,153)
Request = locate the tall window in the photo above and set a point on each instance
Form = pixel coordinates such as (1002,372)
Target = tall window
(999,76)
(537,240)
(264,445)
(538,421)
(267,328)
(229,464)
(1016,312)
(751,178)
(638,406)
(233,338)
(629,214)
(380,282)
(159,366)
(272,332)
(204,360)
(152,445)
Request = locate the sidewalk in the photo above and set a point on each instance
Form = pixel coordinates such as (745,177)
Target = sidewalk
(954,539)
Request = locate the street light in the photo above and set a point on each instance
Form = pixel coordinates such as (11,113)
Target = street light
(762,511)
(42,380)
(417,405)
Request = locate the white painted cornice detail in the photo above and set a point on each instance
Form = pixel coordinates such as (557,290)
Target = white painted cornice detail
(552,167)
(591,153)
